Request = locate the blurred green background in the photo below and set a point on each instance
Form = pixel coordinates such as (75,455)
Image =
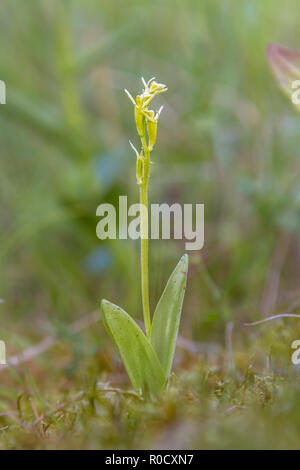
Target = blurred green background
(227,138)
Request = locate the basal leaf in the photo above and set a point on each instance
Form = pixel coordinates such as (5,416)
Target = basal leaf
(140,360)
(166,317)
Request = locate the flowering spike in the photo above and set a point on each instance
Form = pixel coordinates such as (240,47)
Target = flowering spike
(146,118)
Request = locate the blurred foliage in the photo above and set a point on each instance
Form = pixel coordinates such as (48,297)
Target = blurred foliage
(227,138)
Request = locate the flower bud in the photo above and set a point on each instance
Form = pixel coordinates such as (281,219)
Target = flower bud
(156,88)
(139,170)
(152,131)
(139,118)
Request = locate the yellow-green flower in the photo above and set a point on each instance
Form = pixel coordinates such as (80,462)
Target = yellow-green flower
(145,116)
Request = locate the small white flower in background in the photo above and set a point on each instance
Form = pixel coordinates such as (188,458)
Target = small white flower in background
(285,65)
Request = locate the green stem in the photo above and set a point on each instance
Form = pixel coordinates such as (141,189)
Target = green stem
(144,240)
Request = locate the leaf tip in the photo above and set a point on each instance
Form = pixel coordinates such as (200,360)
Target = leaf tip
(104,302)
(184,260)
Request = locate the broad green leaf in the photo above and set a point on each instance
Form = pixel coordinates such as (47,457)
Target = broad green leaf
(166,317)
(139,358)
(285,64)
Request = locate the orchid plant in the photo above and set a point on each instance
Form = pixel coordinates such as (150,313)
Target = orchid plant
(148,356)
